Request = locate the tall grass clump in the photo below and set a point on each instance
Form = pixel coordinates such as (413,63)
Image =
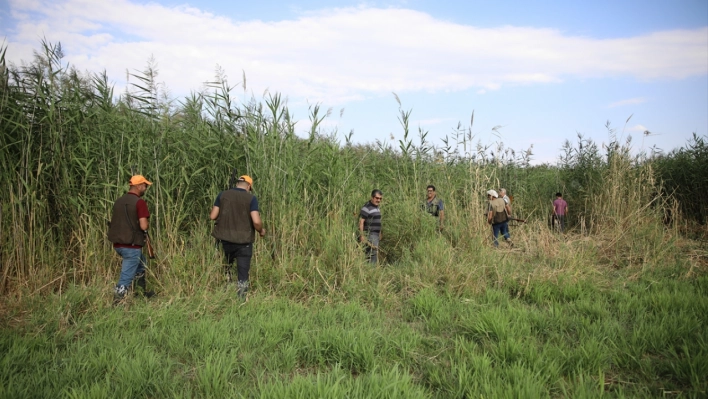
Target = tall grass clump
(618,196)
(70,144)
(684,175)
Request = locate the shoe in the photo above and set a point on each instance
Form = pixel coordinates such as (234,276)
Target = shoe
(119,294)
(242,290)
(141,287)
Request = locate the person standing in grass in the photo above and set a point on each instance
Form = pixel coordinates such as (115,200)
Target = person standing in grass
(370,225)
(498,216)
(127,230)
(560,209)
(237,219)
(434,205)
(507,200)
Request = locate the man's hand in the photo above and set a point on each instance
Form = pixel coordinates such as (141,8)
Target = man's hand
(262,232)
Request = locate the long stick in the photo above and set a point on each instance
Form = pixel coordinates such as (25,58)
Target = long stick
(148,244)
(232,180)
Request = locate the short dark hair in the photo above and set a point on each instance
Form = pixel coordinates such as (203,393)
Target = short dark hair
(430,186)
(376,191)
(559,195)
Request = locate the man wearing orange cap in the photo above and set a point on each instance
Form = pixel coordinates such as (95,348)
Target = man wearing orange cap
(237,219)
(129,224)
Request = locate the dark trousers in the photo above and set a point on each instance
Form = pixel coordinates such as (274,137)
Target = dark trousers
(561,221)
(241,253)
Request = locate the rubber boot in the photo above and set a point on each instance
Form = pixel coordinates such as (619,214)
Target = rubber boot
(242,290)
(142,286)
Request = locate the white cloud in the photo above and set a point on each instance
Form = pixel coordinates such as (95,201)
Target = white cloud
(638,128)
(338,55)
(629,101)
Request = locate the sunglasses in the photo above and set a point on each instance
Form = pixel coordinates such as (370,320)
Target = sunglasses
(378,198)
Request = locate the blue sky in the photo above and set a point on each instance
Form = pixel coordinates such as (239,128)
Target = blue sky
(543,71)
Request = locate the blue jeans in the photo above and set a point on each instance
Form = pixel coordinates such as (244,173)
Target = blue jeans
(133,263)
(503,228)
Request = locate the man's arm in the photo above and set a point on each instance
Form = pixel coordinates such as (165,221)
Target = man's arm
(442,216)
(361,230)
(489,216)
(508,210)
(214,213)
(257,223)
(143,214)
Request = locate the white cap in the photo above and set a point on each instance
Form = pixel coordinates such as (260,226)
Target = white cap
(493,193)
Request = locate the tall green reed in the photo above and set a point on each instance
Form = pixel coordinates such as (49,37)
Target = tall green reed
(70,146)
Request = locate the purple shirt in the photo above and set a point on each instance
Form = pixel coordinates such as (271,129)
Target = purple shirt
(559,206)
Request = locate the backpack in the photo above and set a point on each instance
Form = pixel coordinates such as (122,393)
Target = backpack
(499,209)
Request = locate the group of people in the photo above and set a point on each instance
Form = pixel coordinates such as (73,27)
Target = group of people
(237,219)
(499,214)
(370,219)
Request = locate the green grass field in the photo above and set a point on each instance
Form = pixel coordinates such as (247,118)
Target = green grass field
(409,331)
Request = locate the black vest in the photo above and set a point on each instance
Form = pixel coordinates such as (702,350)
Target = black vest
(125,227)
(234,222)
(433,207)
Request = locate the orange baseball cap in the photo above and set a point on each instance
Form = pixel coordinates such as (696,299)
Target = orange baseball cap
(247,179)
(139,179)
